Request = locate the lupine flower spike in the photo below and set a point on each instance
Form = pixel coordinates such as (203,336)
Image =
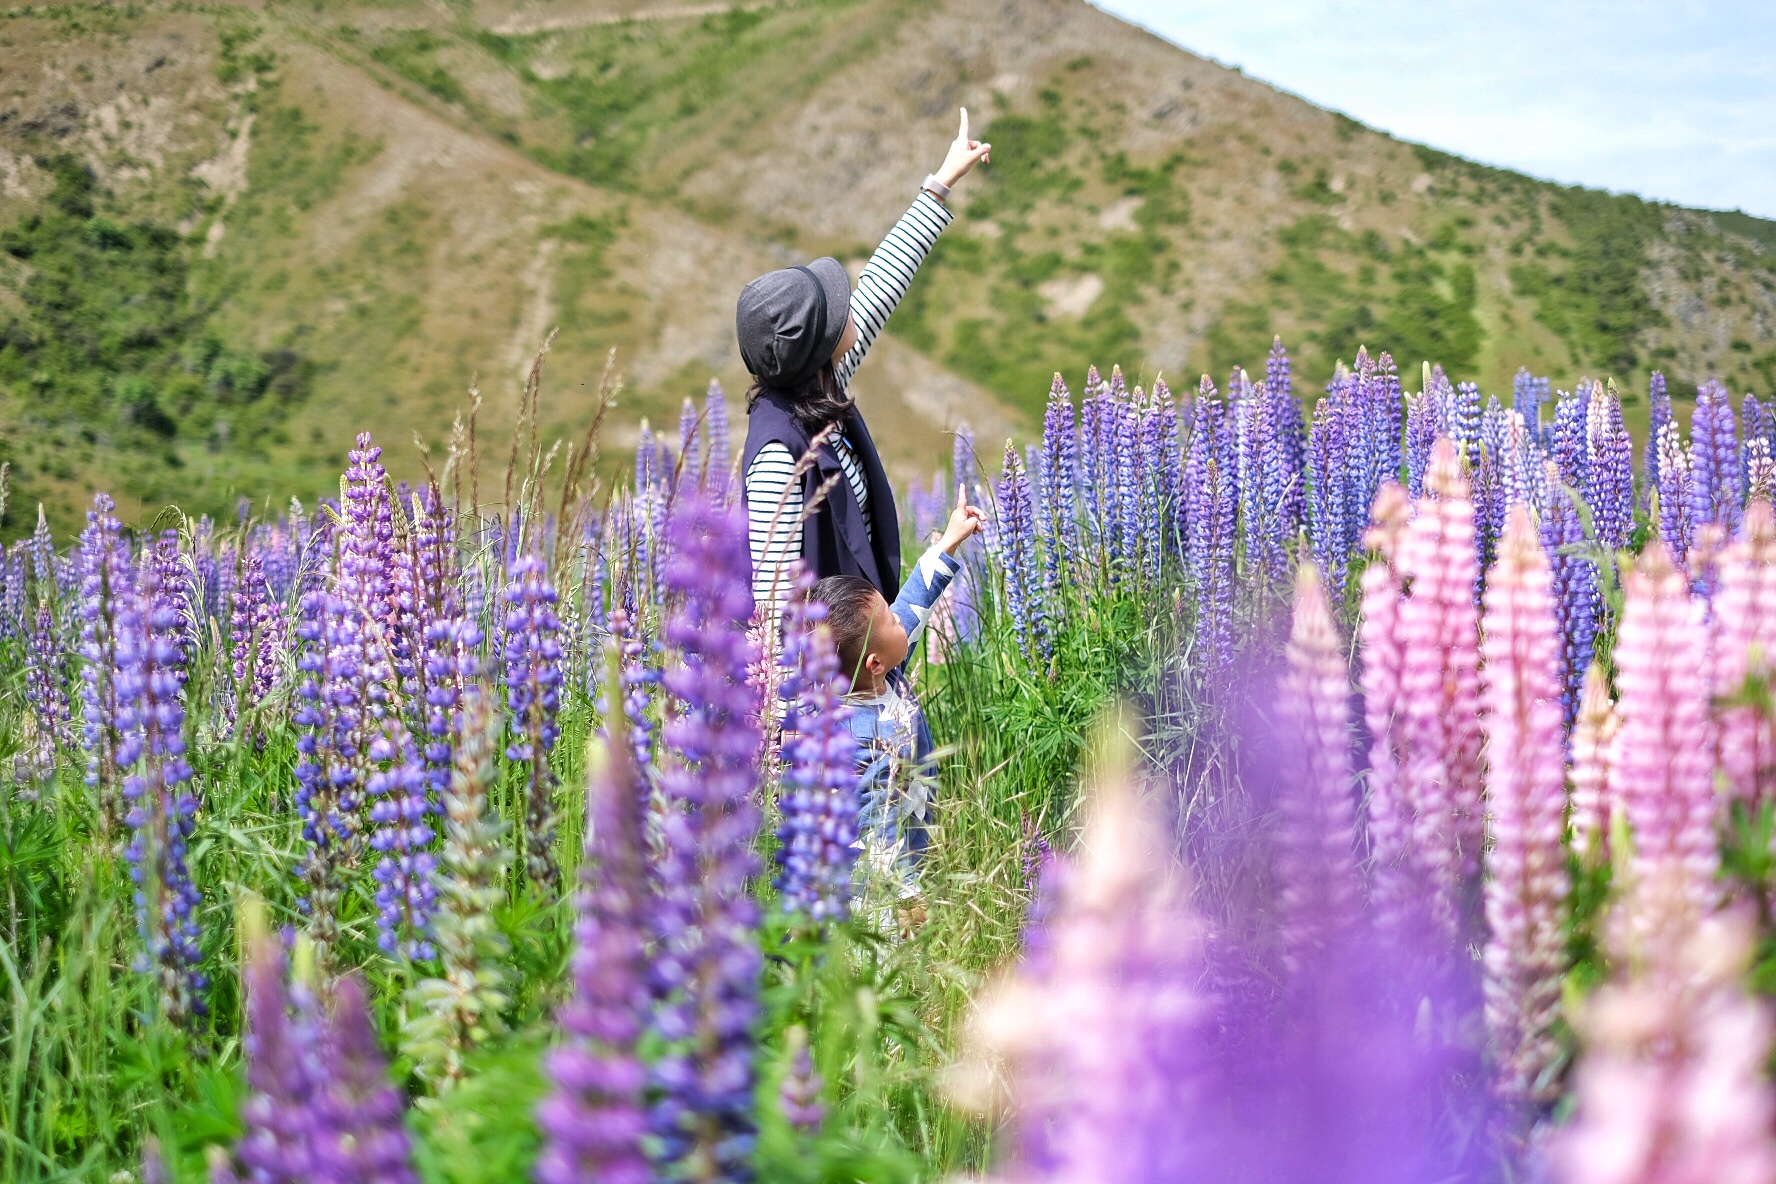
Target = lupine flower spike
(593,1123)
(819,779)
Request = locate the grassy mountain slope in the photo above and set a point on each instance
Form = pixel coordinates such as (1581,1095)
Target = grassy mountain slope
(236,236)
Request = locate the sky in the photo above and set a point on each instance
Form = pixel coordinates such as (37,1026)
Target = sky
(1669,99)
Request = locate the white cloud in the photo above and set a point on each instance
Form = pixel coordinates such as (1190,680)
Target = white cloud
(1669,99)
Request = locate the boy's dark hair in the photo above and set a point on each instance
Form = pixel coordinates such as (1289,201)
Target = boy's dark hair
(850,613)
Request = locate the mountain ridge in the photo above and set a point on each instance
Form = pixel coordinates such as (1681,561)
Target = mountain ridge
(386,201)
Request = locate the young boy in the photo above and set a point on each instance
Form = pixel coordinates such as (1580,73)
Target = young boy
(875,640)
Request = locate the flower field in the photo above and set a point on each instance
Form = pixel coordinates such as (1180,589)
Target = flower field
(1372,785)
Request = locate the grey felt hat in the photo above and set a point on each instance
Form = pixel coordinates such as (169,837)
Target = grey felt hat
(790,321)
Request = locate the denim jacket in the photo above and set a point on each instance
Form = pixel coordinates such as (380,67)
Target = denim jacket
(894,741)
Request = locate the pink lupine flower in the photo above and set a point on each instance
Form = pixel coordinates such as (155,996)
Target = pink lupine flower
(1744,640)
(1671,1086)
(1593,743)
(1389,815)
(1316,862)
(1526,791)
(1440,692)
(1660,770)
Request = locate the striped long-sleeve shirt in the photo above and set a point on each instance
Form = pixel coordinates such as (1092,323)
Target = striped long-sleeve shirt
(884,281)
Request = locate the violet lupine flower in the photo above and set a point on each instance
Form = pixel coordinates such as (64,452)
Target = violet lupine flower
(1101,1027)
(705,971)
(400,809)
(286,1071)
(366,1137)
(1677,493)
(718,452)
(448,642)
(798,1095)
(690,447)
(1171,468)
(1211,499)
(1744,620)
(1671,1082)
(45,687)
(329,774)
(1318,867)
(1716,495)
(104,585)
(1760,470)
(1440,693)
(367,569)
(593,1123)
(14,577)
(1465,418)
(1060,479)
(1421,434)
(1609,468)
(1568,447)
(1526,885)
(1660,415)
(1261,481)
(819,779)
(1661,771)
(162,811)
(1327,526)
(1528,393)
(1096,462)
(962,469)
(640,674)
(1593,745)
(533,693)
(1577,601)
(256,634)
(1291,430)
(1017,544)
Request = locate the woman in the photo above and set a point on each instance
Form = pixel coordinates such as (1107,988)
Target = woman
(803,333)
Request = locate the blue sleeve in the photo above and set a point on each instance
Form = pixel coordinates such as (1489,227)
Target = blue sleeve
(920,590)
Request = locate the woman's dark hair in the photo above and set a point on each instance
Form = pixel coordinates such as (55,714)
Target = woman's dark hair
(850,613)
(816,403)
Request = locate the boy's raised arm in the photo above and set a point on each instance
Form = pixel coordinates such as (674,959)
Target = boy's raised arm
(932,574)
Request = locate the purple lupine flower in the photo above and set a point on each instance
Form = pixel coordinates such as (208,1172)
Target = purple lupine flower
(1171,465)
(533,693)
(819,780)
(1528,393)
(1677,492)
(705,971)
(1526,885)
(717,455)
(1717,492)
(1211,500)
(1095,463)
(593,1123)
(366,1137)
(1129,485)
(690,447)
(1259,472)
(1325,519)
(1760,430)
(1660,415)
(1577,602)
(1568,448)
(1421,433)
(1061,478)
(798,1095)
(329,773)
(367,568)
(1464,418)
(46,688)
(400,810)
(962,469)
(1017,544)
(162,811)
(287,1069)
(640,674)
(1289,425)
(1609,468)
(257,632)
(448,644)
(14,577)
(104,585)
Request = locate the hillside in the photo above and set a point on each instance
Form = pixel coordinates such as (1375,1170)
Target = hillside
(234,236)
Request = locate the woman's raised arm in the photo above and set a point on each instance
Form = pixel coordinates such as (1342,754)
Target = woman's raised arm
(890,270)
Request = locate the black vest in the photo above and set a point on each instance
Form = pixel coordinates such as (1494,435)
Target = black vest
(835,540)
